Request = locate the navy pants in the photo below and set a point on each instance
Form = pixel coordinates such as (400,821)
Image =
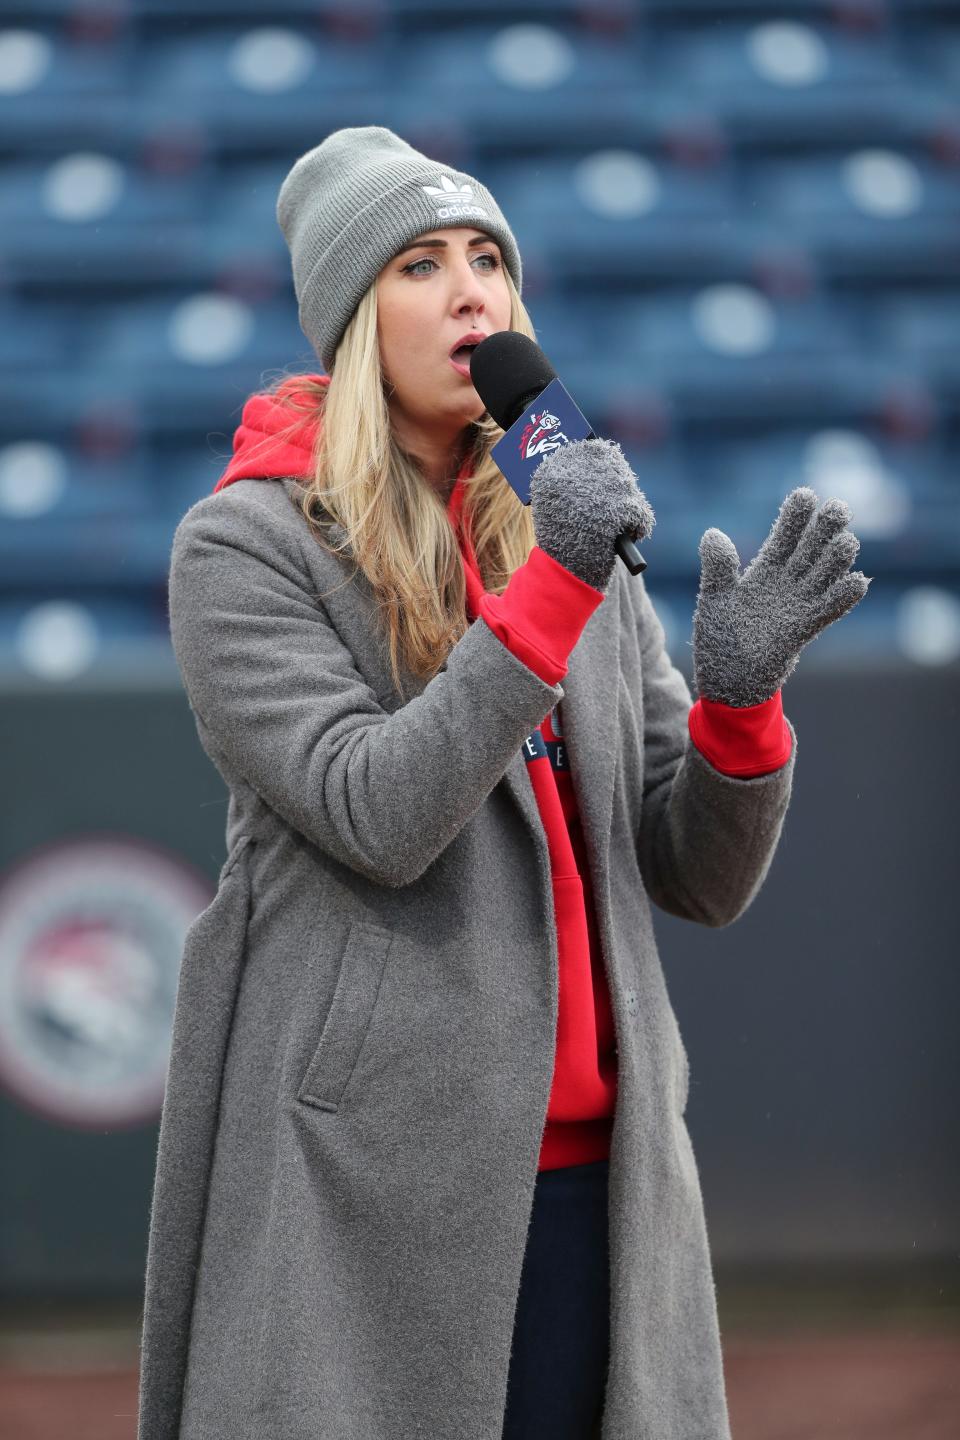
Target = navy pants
(558,1363)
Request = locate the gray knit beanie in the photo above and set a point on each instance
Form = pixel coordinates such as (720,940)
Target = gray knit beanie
(348,205)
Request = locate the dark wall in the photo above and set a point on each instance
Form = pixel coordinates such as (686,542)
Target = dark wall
(74,1201)
(820,1026)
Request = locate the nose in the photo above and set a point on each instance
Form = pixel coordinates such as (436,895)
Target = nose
(469,293)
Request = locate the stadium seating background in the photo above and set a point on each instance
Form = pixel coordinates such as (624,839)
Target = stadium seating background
(741,236)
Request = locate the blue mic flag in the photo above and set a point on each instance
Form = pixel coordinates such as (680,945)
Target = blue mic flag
(551,420)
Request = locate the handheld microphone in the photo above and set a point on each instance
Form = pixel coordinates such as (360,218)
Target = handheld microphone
(524,395)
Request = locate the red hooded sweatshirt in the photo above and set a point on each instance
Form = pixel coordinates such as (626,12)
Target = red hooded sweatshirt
(540,617)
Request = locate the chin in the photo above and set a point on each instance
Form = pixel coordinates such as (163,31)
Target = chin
(473,409)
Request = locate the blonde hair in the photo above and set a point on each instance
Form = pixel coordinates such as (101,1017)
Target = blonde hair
(396,524)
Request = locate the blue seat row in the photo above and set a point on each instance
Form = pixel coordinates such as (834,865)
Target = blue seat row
(72,633)
(97,521)
(550,78)
(620,213)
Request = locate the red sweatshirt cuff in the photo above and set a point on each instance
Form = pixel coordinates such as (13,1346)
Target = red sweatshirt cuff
(541,614)
(744,741)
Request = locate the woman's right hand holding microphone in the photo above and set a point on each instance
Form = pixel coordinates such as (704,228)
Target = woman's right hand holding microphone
(583,496)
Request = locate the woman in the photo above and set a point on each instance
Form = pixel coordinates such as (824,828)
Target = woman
(423,1167)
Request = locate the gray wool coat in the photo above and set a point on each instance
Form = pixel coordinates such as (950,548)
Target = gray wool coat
(363,1043)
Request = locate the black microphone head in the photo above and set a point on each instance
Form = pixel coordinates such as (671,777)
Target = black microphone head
(508,370)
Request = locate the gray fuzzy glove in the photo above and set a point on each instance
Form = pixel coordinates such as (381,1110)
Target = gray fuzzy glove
(748,629)
(582,496)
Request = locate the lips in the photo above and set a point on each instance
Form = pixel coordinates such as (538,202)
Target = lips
(472,339)
(460,360)
(462,351)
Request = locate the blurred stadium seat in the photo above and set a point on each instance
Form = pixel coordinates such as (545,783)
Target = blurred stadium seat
(740,241)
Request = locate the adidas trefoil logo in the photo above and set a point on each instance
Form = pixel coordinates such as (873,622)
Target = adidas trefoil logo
(452,200)
(448,189)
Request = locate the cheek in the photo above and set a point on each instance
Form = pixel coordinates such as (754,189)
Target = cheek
(401,350)
(503,307)
(391,333)
(405,333)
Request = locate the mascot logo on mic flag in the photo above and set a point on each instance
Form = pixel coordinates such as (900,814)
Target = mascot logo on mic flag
(552,419)
(541,434)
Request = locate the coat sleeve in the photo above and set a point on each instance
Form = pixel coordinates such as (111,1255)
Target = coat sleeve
(705,839)
(280,703)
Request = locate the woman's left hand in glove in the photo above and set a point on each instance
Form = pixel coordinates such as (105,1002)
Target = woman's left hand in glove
(749,629)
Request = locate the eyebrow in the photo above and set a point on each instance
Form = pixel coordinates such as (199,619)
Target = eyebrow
(483,239)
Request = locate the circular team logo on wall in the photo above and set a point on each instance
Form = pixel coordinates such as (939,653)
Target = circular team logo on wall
(91,938)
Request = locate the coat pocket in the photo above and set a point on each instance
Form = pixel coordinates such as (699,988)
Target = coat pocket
(348,1019)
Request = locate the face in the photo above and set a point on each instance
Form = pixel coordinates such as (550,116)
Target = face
(448,282)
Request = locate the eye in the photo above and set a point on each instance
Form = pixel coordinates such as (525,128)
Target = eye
(426,260)
(429,260)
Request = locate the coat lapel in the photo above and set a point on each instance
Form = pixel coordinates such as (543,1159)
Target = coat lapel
(588,715)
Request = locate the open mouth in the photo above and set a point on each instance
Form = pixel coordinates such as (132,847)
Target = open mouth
(462,355)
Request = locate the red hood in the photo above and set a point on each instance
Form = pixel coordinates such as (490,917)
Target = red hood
(261,453)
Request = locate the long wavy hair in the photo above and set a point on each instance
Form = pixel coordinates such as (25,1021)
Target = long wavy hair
(396,524)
